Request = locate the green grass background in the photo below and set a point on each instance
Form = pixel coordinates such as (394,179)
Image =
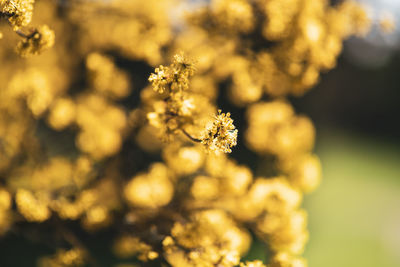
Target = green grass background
(354,216)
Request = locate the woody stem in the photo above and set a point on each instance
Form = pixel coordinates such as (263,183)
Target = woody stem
(191,137)
(5,15)
(22,34)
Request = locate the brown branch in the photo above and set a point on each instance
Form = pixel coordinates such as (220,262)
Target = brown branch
(20,33)
(6,15)
(191,137)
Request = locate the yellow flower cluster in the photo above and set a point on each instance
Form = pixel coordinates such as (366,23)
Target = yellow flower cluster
(49,188)
(36,42)
(102,133)
(274,47)
(276,130)
(128,246)
(33,208)
(144,27)
(176,108)
(221,135)
(150,190)
(101,125)
(19,13)
(210,238)
(255,263)
(64,258)
(174,78)
(106,78)
(179,110)
(5,206)
(223,196)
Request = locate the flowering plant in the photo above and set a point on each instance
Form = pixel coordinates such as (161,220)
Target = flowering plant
(126,126)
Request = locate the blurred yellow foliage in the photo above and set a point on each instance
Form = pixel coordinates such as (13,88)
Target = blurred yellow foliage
(116,125)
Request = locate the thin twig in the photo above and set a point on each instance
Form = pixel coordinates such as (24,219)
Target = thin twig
(5,15)
(22,34)
(191,137)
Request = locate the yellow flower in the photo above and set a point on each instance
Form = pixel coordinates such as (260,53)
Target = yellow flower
(221,134)
(160,79)
(36,42)
(18,11)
